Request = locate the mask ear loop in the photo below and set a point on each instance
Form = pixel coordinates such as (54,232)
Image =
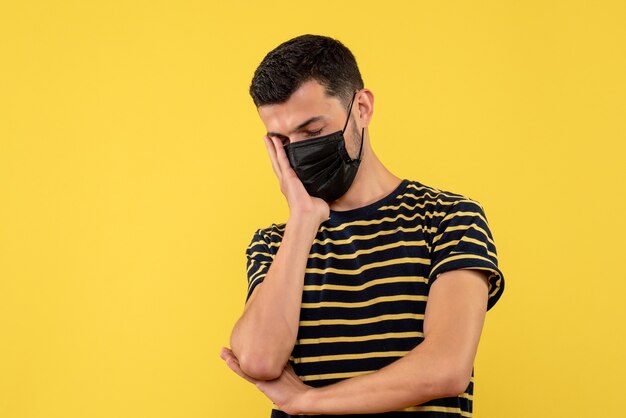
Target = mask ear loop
(357,159)
(349,109)
(361,147)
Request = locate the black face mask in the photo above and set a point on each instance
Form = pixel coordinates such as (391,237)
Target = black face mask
(323,164)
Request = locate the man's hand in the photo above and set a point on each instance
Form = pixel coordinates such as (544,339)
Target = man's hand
(287,391)
(301,204)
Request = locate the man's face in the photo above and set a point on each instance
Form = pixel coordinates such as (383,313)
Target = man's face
(308,113)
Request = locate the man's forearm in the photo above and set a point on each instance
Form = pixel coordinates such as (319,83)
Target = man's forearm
(439,367)
(264,336)
(419,376)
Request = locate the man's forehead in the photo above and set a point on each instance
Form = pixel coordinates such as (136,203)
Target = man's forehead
(295,113)
(301,126)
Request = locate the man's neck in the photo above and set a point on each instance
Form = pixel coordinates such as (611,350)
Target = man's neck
(372,182)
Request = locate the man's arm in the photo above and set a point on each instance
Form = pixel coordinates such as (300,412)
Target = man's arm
(440,366)
(264,336)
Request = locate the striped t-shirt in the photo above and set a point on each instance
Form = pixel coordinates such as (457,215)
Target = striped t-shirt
(367,279)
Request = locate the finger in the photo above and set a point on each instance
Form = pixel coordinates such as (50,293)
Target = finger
(225,352)
(233,364)
(281,157)
(271,150)
(227,355)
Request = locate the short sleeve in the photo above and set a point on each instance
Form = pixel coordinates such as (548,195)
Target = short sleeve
(463,241)
(258,260)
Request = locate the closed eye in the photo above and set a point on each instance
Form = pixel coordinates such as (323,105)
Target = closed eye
(311,133)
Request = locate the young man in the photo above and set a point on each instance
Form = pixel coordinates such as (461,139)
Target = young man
(371,298)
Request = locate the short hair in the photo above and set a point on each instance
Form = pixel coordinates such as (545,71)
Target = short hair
(300,59)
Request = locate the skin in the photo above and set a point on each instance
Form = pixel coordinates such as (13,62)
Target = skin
(264,336)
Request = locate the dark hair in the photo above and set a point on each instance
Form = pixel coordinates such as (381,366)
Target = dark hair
(303,58)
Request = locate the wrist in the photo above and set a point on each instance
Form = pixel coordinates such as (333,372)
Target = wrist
(303,223)
(306,402)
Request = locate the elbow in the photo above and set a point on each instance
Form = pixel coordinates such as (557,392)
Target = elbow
(456,385)
(452,382)
(260,367)
(259,358)
(258,364)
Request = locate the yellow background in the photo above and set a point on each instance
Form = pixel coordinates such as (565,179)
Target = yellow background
(133,174)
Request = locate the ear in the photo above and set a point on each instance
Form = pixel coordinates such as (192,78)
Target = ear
(365,106)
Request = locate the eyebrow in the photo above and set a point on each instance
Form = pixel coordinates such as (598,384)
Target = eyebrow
(299,127)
